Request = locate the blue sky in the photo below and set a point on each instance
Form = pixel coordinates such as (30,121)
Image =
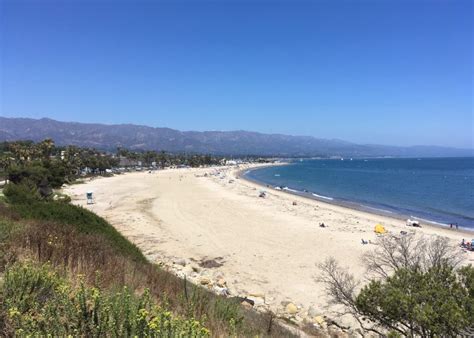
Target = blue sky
(382,71)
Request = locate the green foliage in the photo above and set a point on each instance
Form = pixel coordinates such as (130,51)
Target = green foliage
(82,220)
(38,302)
(466,276)
(22,193)
(228,312)
(51,173)
(426,303)
(34,172)
(57,173)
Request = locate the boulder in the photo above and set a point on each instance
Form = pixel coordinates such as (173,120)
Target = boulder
(204,281)
(318,320)
(181,262)
(291,309)
(221,282)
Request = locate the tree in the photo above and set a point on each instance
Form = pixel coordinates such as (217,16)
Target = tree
(45,148)
(416,288)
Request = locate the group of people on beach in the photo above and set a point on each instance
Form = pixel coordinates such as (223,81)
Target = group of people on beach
(467,245)
(452,225)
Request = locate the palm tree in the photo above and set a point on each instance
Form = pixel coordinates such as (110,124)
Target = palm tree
(45,148)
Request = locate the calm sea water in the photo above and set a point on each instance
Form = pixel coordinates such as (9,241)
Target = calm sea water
(440,190)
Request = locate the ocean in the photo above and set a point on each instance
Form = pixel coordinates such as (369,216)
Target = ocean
(437,190)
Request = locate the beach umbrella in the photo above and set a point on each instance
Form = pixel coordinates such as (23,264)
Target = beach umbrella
(380,229)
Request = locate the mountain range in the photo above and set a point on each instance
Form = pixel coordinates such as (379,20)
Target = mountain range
(234,143)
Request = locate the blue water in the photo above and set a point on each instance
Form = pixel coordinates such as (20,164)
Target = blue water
(440,190)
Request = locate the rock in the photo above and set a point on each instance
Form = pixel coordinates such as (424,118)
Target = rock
(223,291)
(241,300)
(337,333)
(188,270)
(312,312)
(204,281)
(217,275)
(221,282)
(244,301)
(181,262)
(291,309)
(258,301)
(318,320)
(299,319)
(256,294)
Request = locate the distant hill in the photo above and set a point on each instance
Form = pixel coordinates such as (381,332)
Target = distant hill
(109,137)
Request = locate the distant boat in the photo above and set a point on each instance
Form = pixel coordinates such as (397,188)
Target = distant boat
(277,175)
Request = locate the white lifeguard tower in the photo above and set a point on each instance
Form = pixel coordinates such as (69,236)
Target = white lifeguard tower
(90,198)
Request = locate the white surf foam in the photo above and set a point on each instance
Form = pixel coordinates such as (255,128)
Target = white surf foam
(378,209)
(323,197)
(292,190)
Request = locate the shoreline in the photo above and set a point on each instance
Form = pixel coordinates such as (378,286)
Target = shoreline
(352,205)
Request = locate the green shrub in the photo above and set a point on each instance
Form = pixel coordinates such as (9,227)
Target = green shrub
(21,193)
(54,173)
(38,302)
(34,172)
(432,302)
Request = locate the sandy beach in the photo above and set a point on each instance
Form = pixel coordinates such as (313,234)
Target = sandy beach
(265,248)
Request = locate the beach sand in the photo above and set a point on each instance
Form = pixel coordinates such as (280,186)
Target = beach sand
(267,248)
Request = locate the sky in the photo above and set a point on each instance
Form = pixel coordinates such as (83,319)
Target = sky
(382,71)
